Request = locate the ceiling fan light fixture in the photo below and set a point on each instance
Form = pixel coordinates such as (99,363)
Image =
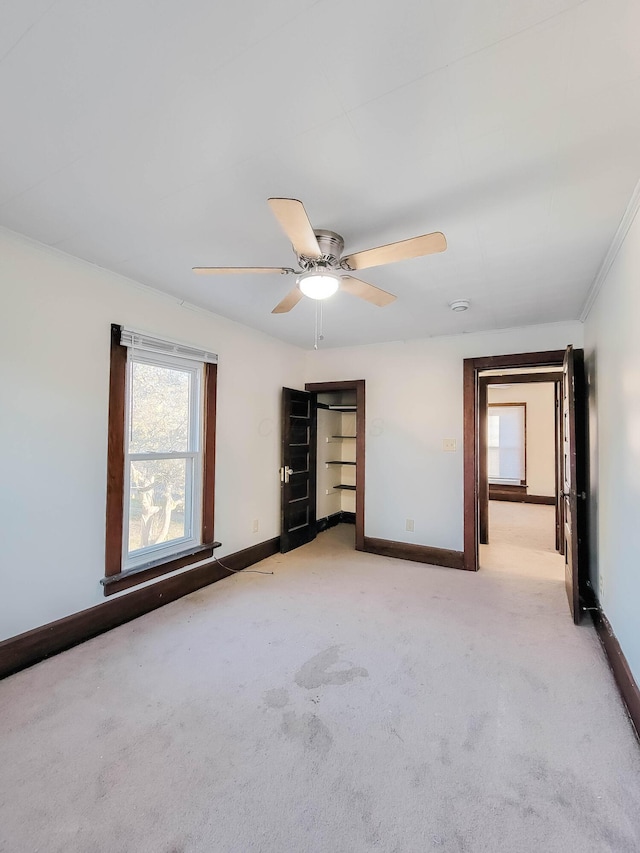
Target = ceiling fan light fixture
(318,284)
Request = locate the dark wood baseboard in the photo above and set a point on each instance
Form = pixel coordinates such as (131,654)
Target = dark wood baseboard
(417,553)
(334,519)
(620,667)
(328,521)
(22,651)
(502,492)
(518,494)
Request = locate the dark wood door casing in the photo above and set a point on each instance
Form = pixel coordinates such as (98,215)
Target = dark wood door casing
(357,385)
(484,490)
(471,447)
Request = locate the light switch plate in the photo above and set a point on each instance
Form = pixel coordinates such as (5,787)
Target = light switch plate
(449,445)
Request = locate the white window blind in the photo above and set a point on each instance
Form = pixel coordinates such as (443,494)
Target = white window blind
(142,341)
(506,444)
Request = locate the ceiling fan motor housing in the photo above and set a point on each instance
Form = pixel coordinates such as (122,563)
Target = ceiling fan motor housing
(331,246)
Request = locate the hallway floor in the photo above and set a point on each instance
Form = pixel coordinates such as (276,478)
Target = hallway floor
(348,703)
(522,540)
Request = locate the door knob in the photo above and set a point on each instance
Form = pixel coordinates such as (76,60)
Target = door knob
(285,473)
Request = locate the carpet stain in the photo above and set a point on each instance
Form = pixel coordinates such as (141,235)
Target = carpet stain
(445,752)
(276,698)
(475,728)
(108,725)
(361,803)
(537,683)
(313,673)
(418,775)
(307,729)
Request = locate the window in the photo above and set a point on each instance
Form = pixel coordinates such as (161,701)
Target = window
(160,458)
(506,430)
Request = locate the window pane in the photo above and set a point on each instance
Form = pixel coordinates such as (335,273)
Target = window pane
(160,502)
(159,409)
(506,443)
(494,431)
(493,462)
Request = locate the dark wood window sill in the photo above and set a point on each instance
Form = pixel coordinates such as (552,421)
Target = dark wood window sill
(133,577)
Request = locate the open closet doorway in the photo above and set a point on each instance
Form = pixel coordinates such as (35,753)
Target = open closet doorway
(323,454)
(340,455)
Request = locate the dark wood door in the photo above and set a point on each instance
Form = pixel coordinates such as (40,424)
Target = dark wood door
(574,478)
(483,462)
(298,471)
(559,465)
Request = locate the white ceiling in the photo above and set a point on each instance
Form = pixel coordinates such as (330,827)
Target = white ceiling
(146,136)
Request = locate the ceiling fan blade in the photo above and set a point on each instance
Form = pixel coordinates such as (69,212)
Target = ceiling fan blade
(239,270)
(294,221)
(416,247)
(372,294)
(290,301)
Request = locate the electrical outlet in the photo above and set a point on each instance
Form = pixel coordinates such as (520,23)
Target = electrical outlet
(449,445)
(256,525)
(409,525)
(600,586)
(327,491)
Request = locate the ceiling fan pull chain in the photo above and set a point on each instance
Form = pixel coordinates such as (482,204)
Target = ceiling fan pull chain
(315,340)
(321,337)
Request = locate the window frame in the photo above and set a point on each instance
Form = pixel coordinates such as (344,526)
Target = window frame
(118,574)
(193,471)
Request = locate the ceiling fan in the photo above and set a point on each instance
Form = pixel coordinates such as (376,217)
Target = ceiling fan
(323,270)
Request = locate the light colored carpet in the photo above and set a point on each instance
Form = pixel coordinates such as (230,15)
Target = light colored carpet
(522,540)
(348,703)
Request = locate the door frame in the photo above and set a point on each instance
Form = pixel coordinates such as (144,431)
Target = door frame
(472,367)
(357,385)
(483,484)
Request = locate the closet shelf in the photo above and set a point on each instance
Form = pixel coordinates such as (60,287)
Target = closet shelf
(344,436)
(348,488)
(343,408)
(340,462)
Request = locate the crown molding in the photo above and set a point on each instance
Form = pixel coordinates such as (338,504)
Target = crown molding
(612,252)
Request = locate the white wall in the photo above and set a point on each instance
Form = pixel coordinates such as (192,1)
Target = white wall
(54,376)
(540,428)
(611,351)
(413,402)
(329,424)
(54,379)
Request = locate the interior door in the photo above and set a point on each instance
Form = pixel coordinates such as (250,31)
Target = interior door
(574,477)
(483,466)
(559,465)
(298,471)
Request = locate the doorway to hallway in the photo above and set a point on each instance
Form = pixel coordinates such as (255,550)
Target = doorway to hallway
(520,474)
(570,528)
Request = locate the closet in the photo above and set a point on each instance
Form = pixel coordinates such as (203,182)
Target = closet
(336,458)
